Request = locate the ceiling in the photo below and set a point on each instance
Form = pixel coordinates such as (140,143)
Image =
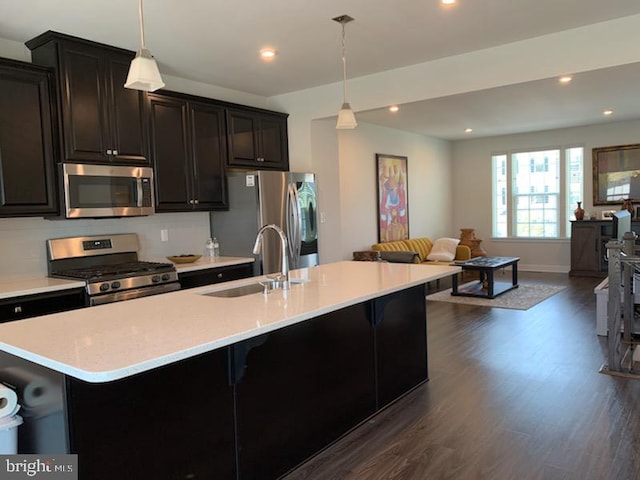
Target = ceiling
(217,42)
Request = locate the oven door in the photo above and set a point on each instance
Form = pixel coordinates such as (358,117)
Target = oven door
(133,293)
(92,191)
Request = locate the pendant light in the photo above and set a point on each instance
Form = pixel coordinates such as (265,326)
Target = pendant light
(143,72)
(346,118)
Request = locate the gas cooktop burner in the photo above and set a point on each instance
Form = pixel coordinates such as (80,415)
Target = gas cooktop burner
(97,272)
(110,268)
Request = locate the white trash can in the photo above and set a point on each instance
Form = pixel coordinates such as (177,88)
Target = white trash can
(9,434)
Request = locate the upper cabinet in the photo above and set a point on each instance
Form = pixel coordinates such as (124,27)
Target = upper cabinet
(257,139)
(102,122)
(188,150)
(27,177)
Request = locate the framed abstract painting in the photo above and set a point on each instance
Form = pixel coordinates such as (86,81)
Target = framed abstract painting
(393,198)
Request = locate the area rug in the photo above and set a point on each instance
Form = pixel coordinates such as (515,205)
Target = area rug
(522,298)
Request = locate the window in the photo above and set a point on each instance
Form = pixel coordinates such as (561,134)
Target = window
(535,192)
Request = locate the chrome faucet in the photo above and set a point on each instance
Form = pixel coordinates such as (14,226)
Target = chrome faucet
(284,284)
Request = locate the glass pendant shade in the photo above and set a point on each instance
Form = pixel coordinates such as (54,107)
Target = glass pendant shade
(346,118)
(144,73)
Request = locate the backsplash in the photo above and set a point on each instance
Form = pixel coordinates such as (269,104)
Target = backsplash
(22,240)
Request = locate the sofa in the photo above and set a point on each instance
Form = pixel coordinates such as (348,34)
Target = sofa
(416,250)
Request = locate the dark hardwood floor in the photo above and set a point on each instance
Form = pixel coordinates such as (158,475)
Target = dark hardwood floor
(512,395)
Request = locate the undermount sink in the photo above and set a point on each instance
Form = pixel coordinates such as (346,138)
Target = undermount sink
(237,291)
(264,286)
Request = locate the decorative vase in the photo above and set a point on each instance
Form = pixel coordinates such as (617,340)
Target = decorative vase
(476,249)
(579,212)
(468,238)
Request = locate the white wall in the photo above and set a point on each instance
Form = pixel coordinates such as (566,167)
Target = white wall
(23,240)
(352,214)
(472,186)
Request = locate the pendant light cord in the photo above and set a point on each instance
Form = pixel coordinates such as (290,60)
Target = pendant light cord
(141,24)
(344,66)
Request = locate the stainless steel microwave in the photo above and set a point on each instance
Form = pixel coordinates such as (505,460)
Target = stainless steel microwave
(93,191)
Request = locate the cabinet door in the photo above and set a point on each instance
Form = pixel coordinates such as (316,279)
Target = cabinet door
(585,248)
(84,108)
(273,142)
(243,140)
(401,342)
(41,304)
(302,388)
(209,151)
(211,276)
(257,140)
(173,422)
(170,154)
(127,114)
(27,179)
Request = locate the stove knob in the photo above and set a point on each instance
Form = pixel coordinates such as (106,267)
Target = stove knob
(115,285)
(104,287)
(165,277)
(155,278)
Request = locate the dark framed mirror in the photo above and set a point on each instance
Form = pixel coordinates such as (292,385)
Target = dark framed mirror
(616,174)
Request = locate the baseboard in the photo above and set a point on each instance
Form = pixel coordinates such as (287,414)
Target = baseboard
(543,268)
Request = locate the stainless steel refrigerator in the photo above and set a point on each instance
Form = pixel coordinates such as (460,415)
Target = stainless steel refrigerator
(286,199)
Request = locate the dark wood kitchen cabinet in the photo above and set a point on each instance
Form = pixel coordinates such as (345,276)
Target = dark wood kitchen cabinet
(211,276)
(401,343)
(174,422)
(27,153)
(188,151)
(102,122)
(257,139)
(300,388)
(27,306)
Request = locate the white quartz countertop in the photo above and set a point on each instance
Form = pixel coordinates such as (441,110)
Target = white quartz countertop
(17,287)
(205,263)
(113,341)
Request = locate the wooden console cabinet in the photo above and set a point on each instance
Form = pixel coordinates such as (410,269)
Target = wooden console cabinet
(588,246)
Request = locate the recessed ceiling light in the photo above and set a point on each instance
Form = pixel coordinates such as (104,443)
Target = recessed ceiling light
(468,130)
(268,54)
(448,2)
(607,112)
(565,79)
(394,108)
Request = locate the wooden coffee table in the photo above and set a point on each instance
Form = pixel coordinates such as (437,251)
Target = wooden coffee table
(487,287)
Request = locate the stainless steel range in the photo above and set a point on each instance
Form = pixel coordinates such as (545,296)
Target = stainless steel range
(110,267)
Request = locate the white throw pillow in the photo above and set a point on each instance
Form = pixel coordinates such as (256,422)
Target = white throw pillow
(444,250)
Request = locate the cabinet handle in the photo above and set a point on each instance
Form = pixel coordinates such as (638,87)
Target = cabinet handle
(115,152)
(219,275)
(191,202)
(260,159)
(196,202)
(17,309)
(109,152)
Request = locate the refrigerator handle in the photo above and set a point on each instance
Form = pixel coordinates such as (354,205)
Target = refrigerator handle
(293,224)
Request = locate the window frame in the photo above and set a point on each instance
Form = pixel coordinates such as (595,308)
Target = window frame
(563,208)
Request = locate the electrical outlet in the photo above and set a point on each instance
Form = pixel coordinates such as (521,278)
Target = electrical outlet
(164,235)
(322,217)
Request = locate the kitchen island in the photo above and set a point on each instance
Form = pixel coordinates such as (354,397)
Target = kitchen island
(189,385)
